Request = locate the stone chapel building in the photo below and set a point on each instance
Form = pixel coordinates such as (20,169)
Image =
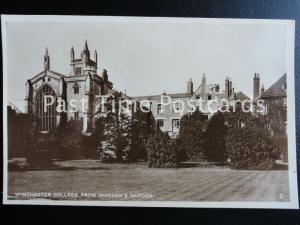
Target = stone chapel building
(83,82)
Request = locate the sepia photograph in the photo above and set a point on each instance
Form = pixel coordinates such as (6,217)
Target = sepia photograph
(155,112)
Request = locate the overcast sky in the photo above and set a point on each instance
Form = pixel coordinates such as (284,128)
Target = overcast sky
(149,58)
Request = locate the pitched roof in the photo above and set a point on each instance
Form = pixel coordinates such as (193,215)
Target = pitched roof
(278,89)
(47,73)
(153,97)
(241,96)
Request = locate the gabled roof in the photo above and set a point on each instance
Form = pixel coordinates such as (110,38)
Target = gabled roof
(49,73)
(278,89)
(208,89)
(241,96)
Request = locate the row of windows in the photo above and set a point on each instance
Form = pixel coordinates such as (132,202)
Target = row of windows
(76,86)
(175,124)
(209,97)
(160,111)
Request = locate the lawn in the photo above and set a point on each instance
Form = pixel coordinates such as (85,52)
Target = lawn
(92,180)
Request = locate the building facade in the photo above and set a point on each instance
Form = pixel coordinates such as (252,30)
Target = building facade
(275,102)
(168,119)
(75,94)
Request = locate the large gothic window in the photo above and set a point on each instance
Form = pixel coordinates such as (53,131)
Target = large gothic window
(46,117)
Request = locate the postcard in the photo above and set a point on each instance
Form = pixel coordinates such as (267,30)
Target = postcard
(152,112)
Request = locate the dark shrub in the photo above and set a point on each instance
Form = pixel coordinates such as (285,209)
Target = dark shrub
(41,159)
(19,131)
(142,126)
(249,143)
(69,138)
(214,139)
(89,146)
(42,149)
(162,151)
(192,127)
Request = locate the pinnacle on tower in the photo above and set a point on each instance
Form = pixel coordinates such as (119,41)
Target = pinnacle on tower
(46,60)
(86,48)
(72,53)
(95,56)
(85,53)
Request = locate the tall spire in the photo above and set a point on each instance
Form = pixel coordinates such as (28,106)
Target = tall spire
(46,60)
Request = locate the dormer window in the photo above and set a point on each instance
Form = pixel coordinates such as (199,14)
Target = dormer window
(76,88)
(159,108)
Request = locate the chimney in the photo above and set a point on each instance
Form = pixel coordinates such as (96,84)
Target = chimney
(228,88)
(104,75)
(203,87)
(256,85)
(190,87)
(262,90)
(217,89)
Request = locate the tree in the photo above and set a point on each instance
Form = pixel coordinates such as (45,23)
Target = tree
(162,152)
(121,131)
(116,125)
(143,125)
(192,127)
(214,139)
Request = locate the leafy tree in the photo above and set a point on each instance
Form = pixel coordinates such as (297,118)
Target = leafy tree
(116,128)
(122,132)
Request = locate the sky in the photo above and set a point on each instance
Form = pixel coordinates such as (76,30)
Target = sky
(146,58)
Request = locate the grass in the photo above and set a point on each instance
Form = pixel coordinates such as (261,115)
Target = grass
(138,182)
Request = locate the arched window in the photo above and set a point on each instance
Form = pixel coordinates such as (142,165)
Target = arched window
(45,114)
(76,88)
